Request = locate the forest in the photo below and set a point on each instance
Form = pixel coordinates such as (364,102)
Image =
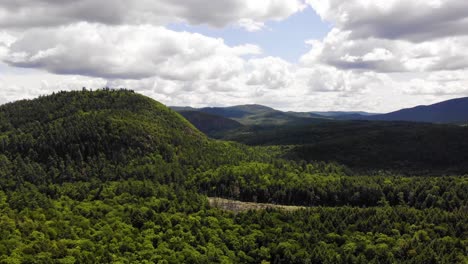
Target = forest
(400,147)
(111,176)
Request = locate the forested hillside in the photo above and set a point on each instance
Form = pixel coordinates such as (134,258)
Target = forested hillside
(102,135)
(252,115)
(115,177)
(211,125)
(402,147)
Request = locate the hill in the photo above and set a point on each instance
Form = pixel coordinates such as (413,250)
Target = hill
(117,132)
(344,113)
(406,147)
(210,124)
(257,115)
(451,111)
(239,111)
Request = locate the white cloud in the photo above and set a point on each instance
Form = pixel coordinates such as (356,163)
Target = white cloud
(315,88)
(340,50)
(270,72)
(15,85)
(250,25)
(330,79)
(439,83)
(409,50)
(6,39)
(424,41)
(379,56)
(415,20)
(127,52)
(180,68)
(46,13)
(5,42)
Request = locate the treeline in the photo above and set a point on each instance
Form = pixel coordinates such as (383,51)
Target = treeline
(326,184)
(144,222)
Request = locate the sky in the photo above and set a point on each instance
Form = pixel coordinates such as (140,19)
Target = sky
(297,55)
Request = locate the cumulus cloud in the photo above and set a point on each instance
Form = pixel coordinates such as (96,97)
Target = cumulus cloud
(127,52)
(45,13)
(30,84)
(330,79)
(5,42)
(416,20)
(439,84)
(181,68)
(394,36)
(339,49)
(10,92)
(271,72)
(250,25)
(378,54)
(163,63)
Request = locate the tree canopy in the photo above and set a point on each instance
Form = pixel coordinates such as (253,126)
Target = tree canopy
(110,176)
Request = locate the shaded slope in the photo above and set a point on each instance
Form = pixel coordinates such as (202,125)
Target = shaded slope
(277,118)
(374,145)
(399,146)
(210,124)
(239,111)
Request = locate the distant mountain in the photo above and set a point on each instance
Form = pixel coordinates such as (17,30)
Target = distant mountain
(256,115)
(353,117)
(182,108)
(307,114)
(208,123)
(275,118)
(239,111)
(343,113)
(451,111)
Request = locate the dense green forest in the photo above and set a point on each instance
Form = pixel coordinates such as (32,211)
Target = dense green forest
(110,176)
(400,147)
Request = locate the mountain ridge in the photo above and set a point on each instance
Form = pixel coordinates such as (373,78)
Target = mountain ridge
(254,114)
(449,111)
